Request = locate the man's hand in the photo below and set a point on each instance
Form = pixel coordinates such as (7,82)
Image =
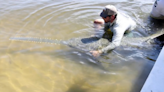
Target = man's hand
(96,53)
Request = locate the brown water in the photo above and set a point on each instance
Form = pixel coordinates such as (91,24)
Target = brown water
(43,67)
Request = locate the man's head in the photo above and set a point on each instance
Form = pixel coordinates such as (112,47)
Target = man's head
(109,13)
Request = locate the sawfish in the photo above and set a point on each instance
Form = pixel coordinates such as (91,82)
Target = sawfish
(93,43)
(81,43)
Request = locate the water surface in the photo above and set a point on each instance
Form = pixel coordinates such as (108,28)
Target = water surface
(43,67)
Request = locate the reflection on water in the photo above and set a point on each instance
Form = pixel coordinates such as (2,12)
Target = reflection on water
(44,67)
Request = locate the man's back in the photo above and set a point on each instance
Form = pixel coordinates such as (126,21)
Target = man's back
(124,22)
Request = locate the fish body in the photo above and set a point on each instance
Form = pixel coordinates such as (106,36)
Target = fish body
(92,43)
(82,43)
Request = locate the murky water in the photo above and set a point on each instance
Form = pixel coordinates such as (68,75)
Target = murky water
(44,67)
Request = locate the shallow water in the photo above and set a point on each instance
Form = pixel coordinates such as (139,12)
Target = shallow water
(44,67)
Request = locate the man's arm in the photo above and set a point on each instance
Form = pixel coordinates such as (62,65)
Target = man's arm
(116,40)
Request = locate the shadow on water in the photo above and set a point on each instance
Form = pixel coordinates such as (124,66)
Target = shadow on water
(155,23)
(140,80)
(158,25)
(155,26)
(78,87)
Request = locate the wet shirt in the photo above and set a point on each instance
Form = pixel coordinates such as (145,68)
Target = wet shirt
(120,25)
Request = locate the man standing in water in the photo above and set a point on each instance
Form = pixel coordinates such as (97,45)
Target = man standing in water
(115,23)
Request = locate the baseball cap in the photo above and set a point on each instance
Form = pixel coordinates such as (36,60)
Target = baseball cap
(108,10)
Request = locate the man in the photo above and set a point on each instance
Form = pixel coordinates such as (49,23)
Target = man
(117,24)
